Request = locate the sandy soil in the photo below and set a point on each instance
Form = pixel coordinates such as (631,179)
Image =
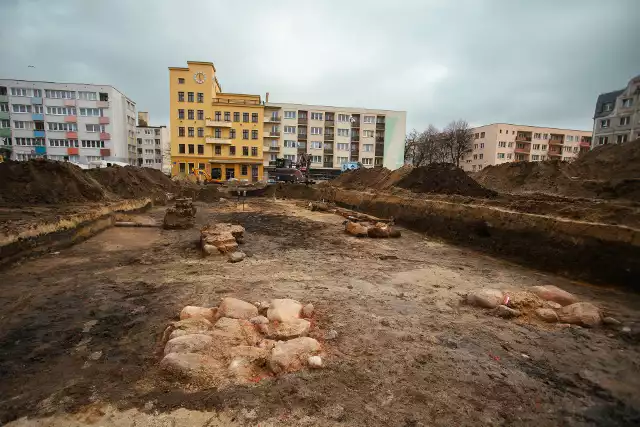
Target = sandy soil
(79,333)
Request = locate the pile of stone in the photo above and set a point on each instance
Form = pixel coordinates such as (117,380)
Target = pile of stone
(181,216)
(240,342)
(370,229)
(547,303)
(222,238)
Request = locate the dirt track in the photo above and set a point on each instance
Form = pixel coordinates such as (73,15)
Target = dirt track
(408,353)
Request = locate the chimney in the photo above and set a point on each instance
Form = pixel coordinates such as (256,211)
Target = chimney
(143,118)
(266,98)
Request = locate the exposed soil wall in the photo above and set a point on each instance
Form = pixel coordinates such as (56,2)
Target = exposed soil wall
(603,253)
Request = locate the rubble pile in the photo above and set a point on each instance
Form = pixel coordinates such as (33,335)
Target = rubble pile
(240,342)
(370,229)
(548,304)
(181,216)
(222,238)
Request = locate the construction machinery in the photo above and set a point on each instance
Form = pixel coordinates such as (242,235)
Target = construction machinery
(203,177)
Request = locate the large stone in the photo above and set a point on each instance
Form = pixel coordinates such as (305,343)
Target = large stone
(307,310)
(506,312)
(247,362)
(580,313)
(356,229)
(547,314)
(178,219)
(314,362)
(485,298)
(283,310)
(232,332)
(523,300)
(555,294)
(192,343)
(379,230)
(236,256)
(291,355)
(221,236)
(259,320)
(192,325)
(286,330)
(193,311)
(192,366)
(237,309)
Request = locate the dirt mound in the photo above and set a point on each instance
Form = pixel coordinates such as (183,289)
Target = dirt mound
(46,182)
(376,178)
(132,182)
(608,172)
(443,178)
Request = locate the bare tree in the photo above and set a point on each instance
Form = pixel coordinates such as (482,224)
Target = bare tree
(457,141)
(410,144)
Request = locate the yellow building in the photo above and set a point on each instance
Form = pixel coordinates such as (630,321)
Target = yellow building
(212,130)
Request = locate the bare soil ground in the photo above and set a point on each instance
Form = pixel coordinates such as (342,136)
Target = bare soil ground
(408,353)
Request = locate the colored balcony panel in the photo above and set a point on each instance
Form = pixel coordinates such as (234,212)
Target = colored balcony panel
(105,152)
(72,135)
(71,119)
(70,102)
(38,134)
(73,151)
(103,120)
(40,149)
(36,100)
(37,117)
(104,136)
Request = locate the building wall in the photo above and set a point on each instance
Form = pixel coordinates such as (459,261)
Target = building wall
(217,144)
(110,142)
(152,145)
(503,142)
(617,116)
(386,142)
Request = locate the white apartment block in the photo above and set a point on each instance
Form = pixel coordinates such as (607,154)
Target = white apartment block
(617,116)
(154,147)
(66,121)
(499,143)
(334,135)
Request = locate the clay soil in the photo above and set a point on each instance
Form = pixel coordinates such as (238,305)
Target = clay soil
(408,353)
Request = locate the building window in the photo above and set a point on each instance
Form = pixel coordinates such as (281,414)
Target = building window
(367,147)
(316,131)
(217,133)
(608,106)
(316,144)
(343,160)
(60,94)
(244,170)
(343,132)
(625,120)
(181,131)
(190,114)
(317,159)
(200,132)
(200,114)
(245,117)
(254,117)
(544,147)
(232,134)
(316,116)
(620,139)
(182,167)
(535,157)
(180,81)
(626,103)
(218,116)
(254,151)
(537,136)
(181,114)
(343,117)
(289,129)
(481,134)
(181,148)
(604,123)
(481,156)
(245,134)
(200,97)
(369,119)
(254,134)
(502,144)
(367,161)
(218,150)
(536,146)
(232,150)
(289,114)
(603,140)
(482,145)
(343,147)
(367,134)
(192,149)
(227,116)
(289,144)
(236,117)
(501,155)
(291,157)
(569,138)
(190,96)
(191,132)
(180,96)
(245,151)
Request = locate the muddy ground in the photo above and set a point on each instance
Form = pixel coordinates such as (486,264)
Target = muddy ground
(408,353)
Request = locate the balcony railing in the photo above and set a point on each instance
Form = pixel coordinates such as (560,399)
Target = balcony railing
(104,136)
(523,137)
(235,101)
(103,120)
(328,150)
(355,138)
(380,125)
(272,134)
(327,165)
(302,136)
(329,136)
(302,120)
(214,140)
(70,119)
(217,123)
(555,154)
(355,124)
(272,148)
(329,123)
(585,144)
(555,142)
(523,150)
(272,119)
(302,145)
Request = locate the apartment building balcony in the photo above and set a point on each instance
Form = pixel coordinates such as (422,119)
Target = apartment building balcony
(302,137)
(71,135)
(104,120)
(302,146)
(379,125)
(379,138)
(38,134)
(221,141)
(526,150)
(272,119)
(329,123)
(555,142)
(102,104)
(555,154)
(69,102)
(379,151)
(5,133)
(355,138)
(70,119)
(73,151)
(37,117)
(303,121)
(105,152)
(329,136)
(585,144)
(104,136)
(217,123)
(36,100)
(272,134)
(4,98)
(326,164)
(272,148)
(4,115)
(523,137)
(355,124)
(328,150)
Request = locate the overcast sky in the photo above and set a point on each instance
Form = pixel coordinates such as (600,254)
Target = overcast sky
(527,62)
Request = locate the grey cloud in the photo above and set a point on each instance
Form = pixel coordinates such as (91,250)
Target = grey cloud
(535,62)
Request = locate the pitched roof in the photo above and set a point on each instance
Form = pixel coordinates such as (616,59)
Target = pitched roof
(604,98)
